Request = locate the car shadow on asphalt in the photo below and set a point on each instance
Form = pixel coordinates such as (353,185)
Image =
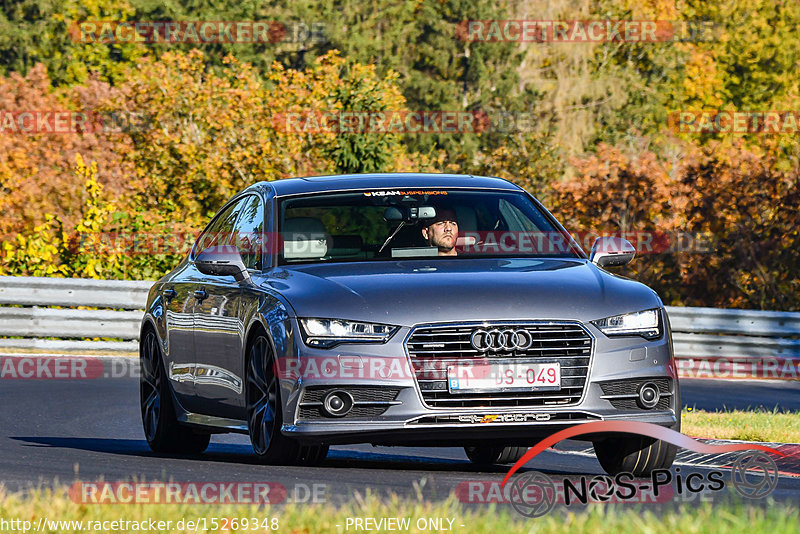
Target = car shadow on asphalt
(242,454)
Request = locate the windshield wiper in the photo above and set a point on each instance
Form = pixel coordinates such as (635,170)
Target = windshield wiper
(402,224)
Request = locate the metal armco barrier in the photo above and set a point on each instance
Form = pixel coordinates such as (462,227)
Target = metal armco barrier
(728,343)
(49,319)
(41,313)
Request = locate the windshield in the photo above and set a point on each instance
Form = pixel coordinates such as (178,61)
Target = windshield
(398,224)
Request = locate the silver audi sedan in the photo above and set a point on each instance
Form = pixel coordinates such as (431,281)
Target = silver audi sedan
(403,309)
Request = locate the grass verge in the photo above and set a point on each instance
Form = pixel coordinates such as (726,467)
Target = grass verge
(56,506)
(759,425)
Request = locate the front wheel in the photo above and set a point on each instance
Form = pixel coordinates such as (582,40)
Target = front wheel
(639,456)
(487,455)
(161,427)
(265,413)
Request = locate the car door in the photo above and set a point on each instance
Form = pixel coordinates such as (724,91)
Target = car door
(188,287)
(178,295)
(219,327)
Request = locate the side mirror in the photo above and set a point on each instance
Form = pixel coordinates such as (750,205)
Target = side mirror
(611,251)
(222,260)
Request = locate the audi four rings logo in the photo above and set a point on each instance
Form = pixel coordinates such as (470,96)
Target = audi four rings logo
(496,339)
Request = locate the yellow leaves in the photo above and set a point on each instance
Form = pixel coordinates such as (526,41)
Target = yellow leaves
(49,251)
(217,131)
(96,211)
(88,175)
(36,253)
(702,81)
(81,253)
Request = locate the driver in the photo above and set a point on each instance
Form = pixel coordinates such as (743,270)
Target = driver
(442,232)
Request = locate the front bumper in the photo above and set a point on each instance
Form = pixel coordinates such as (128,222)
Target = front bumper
(392,410)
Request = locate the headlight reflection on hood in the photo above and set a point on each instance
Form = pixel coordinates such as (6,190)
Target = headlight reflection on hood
(326,333)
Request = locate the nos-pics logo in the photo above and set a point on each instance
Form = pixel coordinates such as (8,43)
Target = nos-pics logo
(754,474)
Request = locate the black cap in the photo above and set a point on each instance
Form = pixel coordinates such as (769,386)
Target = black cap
(444,214)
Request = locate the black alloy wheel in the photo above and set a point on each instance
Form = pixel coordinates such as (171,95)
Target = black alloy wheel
(161,427)
(265,414)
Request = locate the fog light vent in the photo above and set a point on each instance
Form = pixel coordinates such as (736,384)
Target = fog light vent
(649,395)
(337,403)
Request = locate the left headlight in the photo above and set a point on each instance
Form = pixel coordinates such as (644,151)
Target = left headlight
(644,323)
(326,333)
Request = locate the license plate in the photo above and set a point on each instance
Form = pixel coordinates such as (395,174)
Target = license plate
(497,377)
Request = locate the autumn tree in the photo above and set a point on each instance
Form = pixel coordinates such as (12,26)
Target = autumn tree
(740,196)
(33,32)
(36,166)
(211,132)
(721,221)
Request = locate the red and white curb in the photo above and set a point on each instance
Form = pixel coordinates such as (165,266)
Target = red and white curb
(788,466)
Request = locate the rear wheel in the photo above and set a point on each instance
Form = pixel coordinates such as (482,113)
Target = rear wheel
(161,427)
(487,455)
(265,413)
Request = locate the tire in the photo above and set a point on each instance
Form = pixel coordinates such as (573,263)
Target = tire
(265,412)
(639,456)
(161,427)
(487,455)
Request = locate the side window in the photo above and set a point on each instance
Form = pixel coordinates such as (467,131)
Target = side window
(218,232)
(248,234)
(515,219)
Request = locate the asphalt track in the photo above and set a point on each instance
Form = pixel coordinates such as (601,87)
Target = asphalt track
(62,431)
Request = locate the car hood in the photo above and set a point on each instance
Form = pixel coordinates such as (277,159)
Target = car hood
(425,291)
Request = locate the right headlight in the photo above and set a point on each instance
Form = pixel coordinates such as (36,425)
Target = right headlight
(326,333)
(644,323)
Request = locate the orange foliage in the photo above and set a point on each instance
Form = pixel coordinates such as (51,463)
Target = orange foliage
(731,194)
(36,175)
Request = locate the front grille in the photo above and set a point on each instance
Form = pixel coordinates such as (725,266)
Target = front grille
(433,348)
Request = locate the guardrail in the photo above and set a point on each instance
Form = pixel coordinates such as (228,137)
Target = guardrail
(29,320)
(728,343)
(40,313)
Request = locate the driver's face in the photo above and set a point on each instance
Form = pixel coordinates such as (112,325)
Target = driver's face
(442,234)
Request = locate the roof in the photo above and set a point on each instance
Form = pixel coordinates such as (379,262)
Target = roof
(293,186)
